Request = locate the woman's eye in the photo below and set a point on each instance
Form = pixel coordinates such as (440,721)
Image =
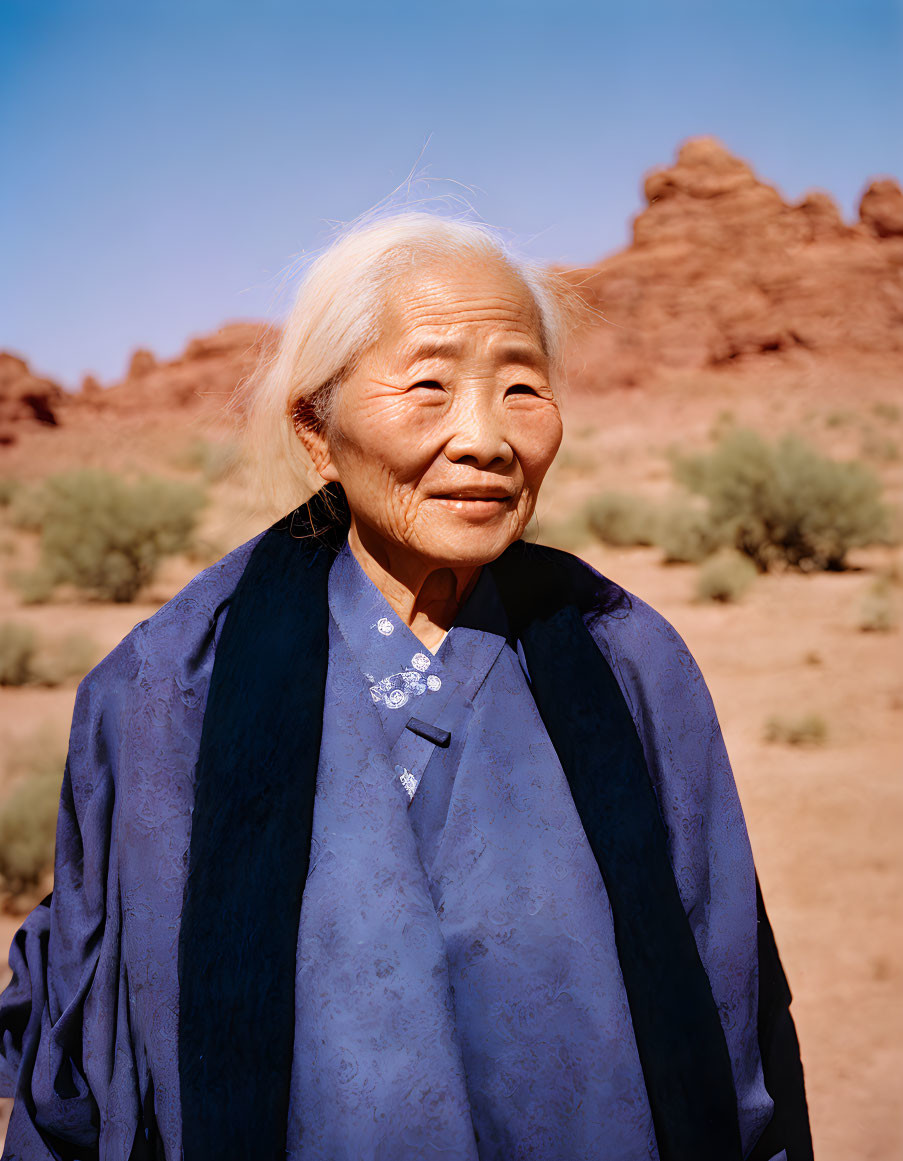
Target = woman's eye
(430,384)
(521,389)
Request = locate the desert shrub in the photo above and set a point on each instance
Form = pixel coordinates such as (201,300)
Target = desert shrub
(27,831)
(622,518)
(725,576)
(215,461)
(27,507)
(568,534)
(888,411)
(28,815)
(34,586)
(723,420)
(785,502)
(106,535)
(876,609)
(878,446)
(67,659)
(204,551)
(18,645)
(686,533)
(26,660)
(571,460)
(8,488)
(806,729)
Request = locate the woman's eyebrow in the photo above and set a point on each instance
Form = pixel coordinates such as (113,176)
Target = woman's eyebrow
(519,353)
(433,349)
(505,353)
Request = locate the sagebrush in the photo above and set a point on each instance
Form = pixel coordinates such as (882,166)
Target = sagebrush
(28,816)
(104,534)
(784,503)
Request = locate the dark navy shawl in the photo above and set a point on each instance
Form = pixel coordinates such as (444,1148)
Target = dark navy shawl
(256,778)
(90,1023)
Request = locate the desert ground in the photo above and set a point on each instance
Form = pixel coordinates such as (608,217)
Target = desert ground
(824,819)
(729,306)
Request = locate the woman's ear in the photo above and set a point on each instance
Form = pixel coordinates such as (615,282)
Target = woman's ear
(310,430)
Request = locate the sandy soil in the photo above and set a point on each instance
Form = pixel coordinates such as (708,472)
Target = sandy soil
(824,820)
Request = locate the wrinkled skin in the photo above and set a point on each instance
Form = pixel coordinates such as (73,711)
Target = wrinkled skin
(418,435)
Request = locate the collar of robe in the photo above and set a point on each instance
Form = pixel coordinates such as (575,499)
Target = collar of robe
(251,829)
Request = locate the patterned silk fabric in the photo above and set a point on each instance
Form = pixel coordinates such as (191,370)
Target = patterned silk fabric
(458,992)
(458,986)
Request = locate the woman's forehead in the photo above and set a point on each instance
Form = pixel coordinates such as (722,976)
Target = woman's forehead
(428,307)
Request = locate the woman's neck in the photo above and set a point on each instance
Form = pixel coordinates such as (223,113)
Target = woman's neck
(426,596)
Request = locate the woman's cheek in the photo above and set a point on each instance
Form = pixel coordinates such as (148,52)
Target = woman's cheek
(538,433)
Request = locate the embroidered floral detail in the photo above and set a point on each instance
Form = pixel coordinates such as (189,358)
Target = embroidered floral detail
(408,781)
(397,689)
(433,682)
(420,661)
(385,626)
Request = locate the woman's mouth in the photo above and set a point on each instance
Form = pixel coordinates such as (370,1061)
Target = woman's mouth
(475,504)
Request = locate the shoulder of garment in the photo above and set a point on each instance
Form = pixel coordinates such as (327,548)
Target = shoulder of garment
(164,659)
(173,643)
(647,654)
(65,1046)
(679,730)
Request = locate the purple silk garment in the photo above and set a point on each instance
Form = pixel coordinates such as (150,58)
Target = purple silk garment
(101,992)
(527,971)
(89,1022)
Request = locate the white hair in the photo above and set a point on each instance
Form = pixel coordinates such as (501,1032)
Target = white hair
(335,318)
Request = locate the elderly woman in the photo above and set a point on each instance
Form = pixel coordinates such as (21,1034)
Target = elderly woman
(393,835)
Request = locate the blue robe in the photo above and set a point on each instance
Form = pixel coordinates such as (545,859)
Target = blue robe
(457,988)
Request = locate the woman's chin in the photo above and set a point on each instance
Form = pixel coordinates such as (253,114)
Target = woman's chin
(460,540)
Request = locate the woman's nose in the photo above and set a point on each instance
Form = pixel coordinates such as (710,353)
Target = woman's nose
(478,435)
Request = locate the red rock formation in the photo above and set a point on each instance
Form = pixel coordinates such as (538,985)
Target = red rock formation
(203,377)
(722,273)
(142,363)
(25,400)
(881,208)
(722,269)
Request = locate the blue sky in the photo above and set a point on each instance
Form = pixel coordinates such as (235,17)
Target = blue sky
(166,161)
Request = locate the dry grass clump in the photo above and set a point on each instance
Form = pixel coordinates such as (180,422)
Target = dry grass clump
(8,488)
(103,534)
(214,461)
(27,660)
(725,576)
(28,815)
(622,518)
(781,504)
(877,608)
(685,533)
(809,729)
(784,503)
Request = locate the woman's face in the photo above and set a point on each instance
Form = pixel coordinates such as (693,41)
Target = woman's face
(443,435)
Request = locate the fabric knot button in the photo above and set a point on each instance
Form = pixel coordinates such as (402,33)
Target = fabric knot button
(420,661)
(433,682)
(434,734)
(385,626)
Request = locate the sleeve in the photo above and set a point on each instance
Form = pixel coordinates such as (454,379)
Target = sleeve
(64,1043)
(779,1047)
(716,876)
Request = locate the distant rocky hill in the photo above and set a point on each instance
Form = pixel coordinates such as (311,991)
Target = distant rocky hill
(202,378)
(721,272)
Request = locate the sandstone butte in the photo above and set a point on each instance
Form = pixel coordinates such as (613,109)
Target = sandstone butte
(721,273)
